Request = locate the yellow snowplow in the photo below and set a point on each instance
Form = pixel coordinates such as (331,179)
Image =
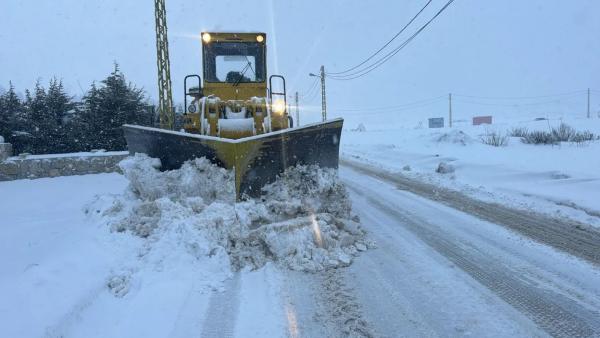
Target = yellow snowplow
(237,117)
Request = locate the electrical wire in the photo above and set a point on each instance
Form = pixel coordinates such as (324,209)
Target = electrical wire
(391,54)
(312,96)
(385,45)
(309,92)
(572,93)
(405,105)
(395,110)
(556,101)
(560,98)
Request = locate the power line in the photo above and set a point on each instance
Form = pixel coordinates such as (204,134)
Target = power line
(405,105)
(513,104)
(313,94)
(311,88)
(311,98)
(432,100)
(386,44)
(312,85)
(395,110)
(391,54)
(576,92)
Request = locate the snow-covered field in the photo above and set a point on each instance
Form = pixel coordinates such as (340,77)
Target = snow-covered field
(562,180)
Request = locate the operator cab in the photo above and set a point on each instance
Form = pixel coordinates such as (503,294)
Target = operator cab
(234,87)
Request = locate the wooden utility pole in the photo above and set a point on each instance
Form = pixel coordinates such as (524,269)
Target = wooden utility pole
(588,110)
(323,100)
(297,111)
(450,110)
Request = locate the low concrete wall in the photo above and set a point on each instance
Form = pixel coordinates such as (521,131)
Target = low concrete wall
(37,166)
(5,150)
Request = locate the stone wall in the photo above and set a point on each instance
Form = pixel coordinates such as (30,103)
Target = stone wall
(5,150)
(37,166)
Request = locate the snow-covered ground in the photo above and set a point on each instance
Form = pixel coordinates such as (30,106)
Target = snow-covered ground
(157,254)
(151,254)
(169,254)
(562,180)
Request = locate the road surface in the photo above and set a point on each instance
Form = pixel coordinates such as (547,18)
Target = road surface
(441,272)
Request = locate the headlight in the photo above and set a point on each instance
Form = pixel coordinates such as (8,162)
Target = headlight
(206,37)
(260,38)
(278,106)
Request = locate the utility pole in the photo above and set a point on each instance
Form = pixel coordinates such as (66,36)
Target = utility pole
(323,100)
(297,111)
(450,110)
(588,110)
(165,97)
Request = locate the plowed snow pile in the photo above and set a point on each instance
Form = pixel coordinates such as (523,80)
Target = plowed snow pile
(303,221)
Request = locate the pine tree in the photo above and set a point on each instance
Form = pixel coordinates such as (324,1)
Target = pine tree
(87,123)
(10,108)
(107,108)
(4,118)
(22,134)
(60,108)
(40,124)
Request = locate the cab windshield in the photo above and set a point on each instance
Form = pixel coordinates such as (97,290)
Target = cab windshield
(234,62)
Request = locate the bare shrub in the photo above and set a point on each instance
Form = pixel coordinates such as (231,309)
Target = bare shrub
(564,133)
(584,136)
(518,132)
(494,139)
(539,137)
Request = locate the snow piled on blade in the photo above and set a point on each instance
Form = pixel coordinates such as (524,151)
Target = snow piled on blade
(303,221)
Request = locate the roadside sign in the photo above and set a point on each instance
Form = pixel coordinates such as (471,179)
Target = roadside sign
(436,122)
(477,120)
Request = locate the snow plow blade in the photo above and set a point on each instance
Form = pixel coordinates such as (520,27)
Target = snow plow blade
(256,160)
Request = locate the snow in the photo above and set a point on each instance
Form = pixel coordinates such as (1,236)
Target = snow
(170,254)
(79,154)
(137,254)
(81,245)
(303,221)
(440,272)
(561,180)
(53,260)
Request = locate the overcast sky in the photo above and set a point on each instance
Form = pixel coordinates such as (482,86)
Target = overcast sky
(480,48)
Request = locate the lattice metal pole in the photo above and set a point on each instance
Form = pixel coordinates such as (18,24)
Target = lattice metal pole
(323,99)
(165,97)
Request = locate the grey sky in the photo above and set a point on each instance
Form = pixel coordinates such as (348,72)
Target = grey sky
(482,48)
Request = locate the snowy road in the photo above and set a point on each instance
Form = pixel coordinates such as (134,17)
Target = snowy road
(439,271)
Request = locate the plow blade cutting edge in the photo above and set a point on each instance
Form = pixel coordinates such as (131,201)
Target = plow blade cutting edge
(256,160)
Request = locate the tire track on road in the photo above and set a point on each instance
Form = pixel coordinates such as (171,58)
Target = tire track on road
(222,310)
(575,238)
(553,312)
